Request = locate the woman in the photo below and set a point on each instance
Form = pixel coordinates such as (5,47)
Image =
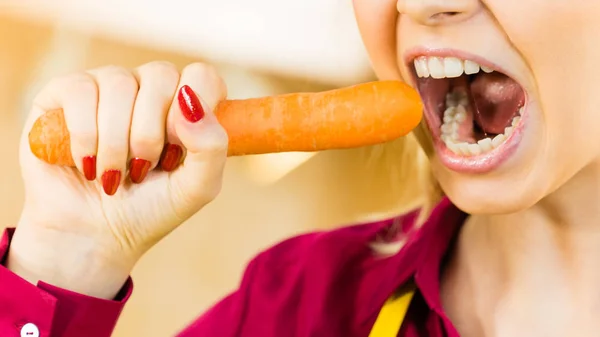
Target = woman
(505,85)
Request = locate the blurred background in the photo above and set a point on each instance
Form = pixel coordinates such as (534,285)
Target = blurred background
(261,47)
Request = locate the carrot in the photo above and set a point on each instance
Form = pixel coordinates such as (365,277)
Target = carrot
(360,115)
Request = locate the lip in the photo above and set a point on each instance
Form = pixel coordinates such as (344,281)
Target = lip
(473,164)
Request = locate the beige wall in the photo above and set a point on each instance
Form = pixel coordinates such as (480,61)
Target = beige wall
(202,261)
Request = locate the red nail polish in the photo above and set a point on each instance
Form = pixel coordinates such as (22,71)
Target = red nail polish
(110,181)
(171,157)
(89,167)
(138,169)
(190,104)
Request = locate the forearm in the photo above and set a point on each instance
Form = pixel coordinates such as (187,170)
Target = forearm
(53,310)
(66,261)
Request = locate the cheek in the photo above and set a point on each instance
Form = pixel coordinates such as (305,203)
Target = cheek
(559,41)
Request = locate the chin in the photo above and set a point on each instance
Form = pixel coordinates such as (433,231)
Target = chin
(489,195)
(479,204)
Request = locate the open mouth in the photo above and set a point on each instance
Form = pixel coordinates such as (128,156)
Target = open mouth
(472,110)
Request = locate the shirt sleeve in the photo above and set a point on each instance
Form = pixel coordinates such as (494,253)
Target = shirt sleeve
(44,310)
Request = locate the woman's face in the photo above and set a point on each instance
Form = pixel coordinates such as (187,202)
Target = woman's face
(510,89)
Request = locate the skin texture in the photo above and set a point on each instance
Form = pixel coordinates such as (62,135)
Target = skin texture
(116,114)
(526,263)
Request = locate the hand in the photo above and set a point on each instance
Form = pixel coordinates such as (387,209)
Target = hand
(149,154)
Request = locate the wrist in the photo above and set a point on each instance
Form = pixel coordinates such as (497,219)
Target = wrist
(66,261)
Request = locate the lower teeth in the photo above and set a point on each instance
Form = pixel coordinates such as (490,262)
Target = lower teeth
(455,114)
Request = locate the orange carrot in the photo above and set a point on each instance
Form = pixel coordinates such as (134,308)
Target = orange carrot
(360,115)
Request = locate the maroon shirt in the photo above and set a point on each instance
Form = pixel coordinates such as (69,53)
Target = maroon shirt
(320,284)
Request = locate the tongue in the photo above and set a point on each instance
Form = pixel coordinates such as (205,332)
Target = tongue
(496,99)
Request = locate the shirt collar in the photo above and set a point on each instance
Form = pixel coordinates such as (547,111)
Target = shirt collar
(439,233)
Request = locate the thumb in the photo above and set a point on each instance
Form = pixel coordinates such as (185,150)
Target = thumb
(198,180)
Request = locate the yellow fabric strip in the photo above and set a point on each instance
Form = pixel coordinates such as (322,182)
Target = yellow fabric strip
(390,318)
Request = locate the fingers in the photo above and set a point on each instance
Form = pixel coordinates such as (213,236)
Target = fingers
(200,78)
(191,123)
(117,91)
(158,82)
(117,121)
(77,95)
(203,79)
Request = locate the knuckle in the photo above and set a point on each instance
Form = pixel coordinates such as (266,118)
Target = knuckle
(119,79)
(216,150)
(213,86)
(216,143)
(163,70)
(196,197)
(202,70)
(76,84)
(80,81)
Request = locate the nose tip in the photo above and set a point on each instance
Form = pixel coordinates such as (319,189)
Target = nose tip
(438,12)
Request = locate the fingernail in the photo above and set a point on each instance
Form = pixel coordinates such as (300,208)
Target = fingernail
(138,169)
(171,157)
(190,104)
(89,167)
(110,181)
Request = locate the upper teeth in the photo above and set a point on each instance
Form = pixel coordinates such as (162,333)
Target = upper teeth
(446,67)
